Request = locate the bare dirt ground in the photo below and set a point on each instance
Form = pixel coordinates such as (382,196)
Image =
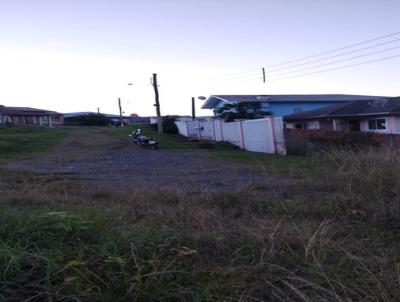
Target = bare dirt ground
(95,157)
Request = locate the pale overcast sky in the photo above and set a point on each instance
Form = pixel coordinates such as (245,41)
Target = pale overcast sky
(77,55)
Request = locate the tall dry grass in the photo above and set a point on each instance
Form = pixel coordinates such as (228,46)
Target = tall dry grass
(330,234)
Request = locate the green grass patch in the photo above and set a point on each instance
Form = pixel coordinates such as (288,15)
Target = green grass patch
(18,142)
(224,151)
(166,141)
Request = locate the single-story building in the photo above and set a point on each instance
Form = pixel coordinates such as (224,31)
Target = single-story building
(281,104)
(380,115)
(30,116)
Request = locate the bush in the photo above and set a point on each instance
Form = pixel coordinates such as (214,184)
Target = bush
(168,123)
(345,139)
(87,120)
(304,142)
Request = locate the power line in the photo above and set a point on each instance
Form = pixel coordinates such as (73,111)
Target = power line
(252,74)
(255,70)
(238,73)
(251,79)
(337,49)
(337,61)
(242,78)
(258,72)
(238,82)
(235,77)
(337,68)
(334,56)
(247,83)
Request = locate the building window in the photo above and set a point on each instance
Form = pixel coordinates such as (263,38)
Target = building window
(303,125)
(378,124)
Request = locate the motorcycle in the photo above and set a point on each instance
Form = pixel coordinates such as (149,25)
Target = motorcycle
(141,140)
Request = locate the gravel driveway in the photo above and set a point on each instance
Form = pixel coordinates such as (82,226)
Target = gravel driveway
(104,161)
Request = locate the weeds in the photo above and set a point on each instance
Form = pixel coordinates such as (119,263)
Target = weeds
(329,232)
(192,248)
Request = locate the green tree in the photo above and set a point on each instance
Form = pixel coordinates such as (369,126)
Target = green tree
(246,110)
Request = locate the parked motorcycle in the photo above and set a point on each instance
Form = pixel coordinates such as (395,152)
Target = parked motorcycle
(141,140)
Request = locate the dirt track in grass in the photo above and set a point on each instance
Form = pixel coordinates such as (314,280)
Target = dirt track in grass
(95,157)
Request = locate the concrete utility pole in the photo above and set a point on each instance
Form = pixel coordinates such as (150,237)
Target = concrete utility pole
(157,105)
(193,110)
(120,112)
(98,110)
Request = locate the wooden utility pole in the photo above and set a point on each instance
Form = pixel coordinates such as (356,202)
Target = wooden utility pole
(157,105)
(193,109)
(120,112)
(263,73)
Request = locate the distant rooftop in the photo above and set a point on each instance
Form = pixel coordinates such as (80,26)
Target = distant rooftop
(73,114)
(25,111)
(214,100)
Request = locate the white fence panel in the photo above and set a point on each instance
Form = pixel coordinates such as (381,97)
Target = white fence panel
(230,133)
(258,135)
(205,130)
(182,128)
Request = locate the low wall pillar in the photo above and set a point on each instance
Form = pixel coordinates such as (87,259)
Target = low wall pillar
(241,135)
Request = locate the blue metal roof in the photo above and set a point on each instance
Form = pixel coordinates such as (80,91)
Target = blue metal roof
(358,108)
(214,100)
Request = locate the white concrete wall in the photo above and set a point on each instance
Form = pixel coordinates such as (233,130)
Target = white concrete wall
(261,135)
(192,128)
(182,128)
(258,135)
(217,129)
(205,128)
(279,135)
(397,125)
(393,124)
(230,133)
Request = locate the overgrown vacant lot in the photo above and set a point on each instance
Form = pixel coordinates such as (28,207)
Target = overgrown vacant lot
(87,216)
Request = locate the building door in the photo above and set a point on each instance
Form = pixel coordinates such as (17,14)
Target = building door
(29,119)
(354,125)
